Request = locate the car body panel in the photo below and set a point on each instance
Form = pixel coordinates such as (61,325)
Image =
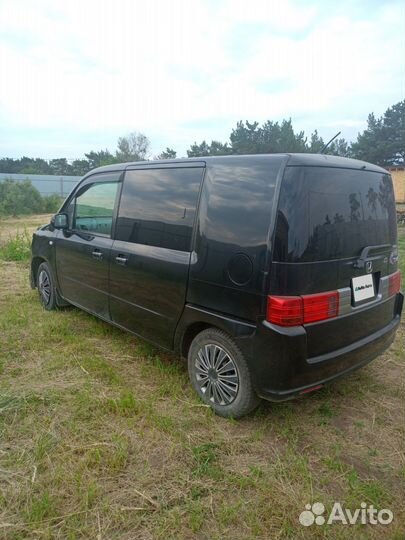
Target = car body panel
(82,265)
(223,280)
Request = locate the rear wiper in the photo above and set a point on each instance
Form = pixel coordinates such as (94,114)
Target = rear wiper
(361,261)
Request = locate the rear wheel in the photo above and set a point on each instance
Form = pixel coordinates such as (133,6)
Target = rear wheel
(46,287)
(220,375)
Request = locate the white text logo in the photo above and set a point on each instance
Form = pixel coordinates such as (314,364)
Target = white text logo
(366,514)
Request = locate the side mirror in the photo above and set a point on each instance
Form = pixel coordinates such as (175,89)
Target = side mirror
(60,221)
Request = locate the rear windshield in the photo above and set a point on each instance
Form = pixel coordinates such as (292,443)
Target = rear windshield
(328,213)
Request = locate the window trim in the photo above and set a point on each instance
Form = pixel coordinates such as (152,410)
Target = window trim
(175,165)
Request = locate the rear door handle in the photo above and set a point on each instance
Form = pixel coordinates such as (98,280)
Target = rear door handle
(361,261)
(97,254)
(121,260)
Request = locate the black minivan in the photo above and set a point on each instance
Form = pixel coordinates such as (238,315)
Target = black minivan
(273,274)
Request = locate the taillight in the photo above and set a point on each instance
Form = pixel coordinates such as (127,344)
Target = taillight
(297,310)
(394,283)
(318,307)
(285,310)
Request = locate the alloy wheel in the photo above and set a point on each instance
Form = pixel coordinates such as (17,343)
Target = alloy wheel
(216,374)
(44,286)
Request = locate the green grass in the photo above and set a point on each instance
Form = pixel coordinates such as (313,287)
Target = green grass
(17,248)
(101,436)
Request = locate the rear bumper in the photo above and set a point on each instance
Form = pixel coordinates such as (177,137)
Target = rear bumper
(282,370)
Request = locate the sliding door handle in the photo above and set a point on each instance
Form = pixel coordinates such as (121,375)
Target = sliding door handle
(121,260)
(97,254)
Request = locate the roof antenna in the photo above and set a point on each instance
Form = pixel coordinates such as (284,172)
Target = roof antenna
(332,139)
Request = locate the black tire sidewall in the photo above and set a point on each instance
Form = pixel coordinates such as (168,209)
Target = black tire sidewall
(51,304)
(246,399)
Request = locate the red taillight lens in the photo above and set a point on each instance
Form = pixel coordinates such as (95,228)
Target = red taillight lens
(285,310)
(297,310)
(394,283)
(318,307)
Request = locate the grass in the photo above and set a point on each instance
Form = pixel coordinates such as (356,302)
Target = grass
(101,436)
(17,248)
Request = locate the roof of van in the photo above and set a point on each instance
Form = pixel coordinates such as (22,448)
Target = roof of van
(295,160)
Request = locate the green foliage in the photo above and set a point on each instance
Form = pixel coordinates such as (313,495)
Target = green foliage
(18,198)
(383,142)
(24,165)
(133,147)
(169,153)
(17,248)
(316,143)
(268,138)
(59,166)
(271,137)
(100,158)
(339,147)
(216,148)
(79,167)
(51,204)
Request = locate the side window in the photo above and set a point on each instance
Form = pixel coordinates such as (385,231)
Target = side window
(94,207)
(158,207)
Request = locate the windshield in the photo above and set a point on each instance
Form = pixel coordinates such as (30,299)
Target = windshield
(329,213)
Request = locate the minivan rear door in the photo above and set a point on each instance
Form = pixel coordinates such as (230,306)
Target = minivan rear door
(336,231)
(151,252)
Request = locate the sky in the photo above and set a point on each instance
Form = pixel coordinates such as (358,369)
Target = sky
(76,75)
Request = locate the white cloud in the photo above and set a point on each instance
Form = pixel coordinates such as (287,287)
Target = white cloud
(155,66)
(277,14)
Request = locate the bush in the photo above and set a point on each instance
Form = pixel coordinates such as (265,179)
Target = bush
(17,248)
(18,198)
(52,204)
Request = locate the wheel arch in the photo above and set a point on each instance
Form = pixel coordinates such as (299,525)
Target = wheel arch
(195,319)
(190,333)
(35,264)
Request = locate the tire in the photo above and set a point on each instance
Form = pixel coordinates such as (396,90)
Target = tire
(46,287)
(220,375)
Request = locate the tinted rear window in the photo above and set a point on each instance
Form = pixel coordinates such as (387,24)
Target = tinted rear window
(329,213)
(158,206)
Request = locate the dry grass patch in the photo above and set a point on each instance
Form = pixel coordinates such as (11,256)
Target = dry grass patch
(10,226)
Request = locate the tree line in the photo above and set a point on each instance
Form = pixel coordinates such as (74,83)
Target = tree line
(382,143)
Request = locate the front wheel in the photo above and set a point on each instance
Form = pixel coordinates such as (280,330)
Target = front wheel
(220,375)
(46,287)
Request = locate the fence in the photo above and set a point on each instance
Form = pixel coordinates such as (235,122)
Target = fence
(46,184)
(398,179)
